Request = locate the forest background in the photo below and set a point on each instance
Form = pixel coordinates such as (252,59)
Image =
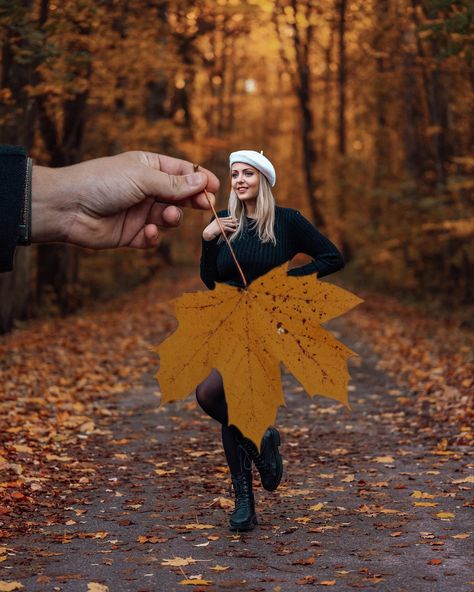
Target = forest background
(365,108)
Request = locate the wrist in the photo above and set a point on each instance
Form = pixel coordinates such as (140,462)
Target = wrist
(51,210)
(207,237)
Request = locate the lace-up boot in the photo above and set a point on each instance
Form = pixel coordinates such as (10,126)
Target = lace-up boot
(268,461)
(243,517)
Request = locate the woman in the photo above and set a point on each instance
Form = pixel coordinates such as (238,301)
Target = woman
(263,237)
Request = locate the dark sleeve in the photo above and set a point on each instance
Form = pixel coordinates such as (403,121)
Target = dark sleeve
(307,239)
(13,167)
(209,251)
(209,262)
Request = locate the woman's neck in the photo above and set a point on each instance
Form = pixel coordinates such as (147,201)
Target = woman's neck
(250,210)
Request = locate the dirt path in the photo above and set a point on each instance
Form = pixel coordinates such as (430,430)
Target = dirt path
(161,478)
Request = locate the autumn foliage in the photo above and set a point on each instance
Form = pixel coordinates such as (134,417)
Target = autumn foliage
(363,107)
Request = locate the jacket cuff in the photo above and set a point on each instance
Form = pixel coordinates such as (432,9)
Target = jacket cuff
(13,185)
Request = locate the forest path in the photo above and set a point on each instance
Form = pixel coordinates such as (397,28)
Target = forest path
(371,499)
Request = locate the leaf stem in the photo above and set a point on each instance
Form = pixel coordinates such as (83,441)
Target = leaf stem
(196,166)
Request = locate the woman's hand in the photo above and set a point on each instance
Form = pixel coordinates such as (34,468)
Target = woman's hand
(212,230)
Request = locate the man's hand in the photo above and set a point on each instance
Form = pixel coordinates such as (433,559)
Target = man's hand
(116,201)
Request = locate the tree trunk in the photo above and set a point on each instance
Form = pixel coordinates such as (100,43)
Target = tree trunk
(58,265)
(17,126)
(341,134)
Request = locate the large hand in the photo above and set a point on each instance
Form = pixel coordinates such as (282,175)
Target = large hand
(116,201)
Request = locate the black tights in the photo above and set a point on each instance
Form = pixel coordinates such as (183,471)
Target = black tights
(211,397)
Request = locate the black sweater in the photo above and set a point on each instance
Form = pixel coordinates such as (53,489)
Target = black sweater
(294,234)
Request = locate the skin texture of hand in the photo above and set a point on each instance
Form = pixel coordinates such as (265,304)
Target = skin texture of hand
(116,201)
(212,230)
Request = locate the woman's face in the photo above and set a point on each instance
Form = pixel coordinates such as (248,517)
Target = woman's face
(245,181)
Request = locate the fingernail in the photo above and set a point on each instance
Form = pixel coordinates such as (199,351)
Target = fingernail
(194,180)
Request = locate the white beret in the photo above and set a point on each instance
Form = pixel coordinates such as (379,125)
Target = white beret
(257,160)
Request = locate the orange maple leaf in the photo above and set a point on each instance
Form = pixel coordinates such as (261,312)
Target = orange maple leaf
(246,333)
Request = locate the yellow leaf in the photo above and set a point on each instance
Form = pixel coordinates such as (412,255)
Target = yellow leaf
(303,519)
(445,515)
(148,539)
(348,479)
(22,448)
(198,526)
(384,459)
(316,507)
(220,568)
(178,561)
(162,472)
(327,583)
(196,582)
(223,502)
(469,479)
(421,495)
(463,535)
(10,586)
(276,319)
(95,587)
(425,504)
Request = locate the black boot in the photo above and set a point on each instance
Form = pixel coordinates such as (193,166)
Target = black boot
(243,517)
(268,461)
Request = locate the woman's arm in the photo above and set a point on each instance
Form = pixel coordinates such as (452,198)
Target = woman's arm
(208,267)
(210,238)
(307,239)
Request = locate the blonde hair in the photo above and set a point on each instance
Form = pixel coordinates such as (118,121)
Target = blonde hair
(265,212)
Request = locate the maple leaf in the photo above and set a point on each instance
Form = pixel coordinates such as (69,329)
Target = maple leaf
(246,334)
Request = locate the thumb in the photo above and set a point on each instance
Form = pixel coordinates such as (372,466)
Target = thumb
(170,188)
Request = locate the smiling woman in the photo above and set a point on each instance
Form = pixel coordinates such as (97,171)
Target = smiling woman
(263,237)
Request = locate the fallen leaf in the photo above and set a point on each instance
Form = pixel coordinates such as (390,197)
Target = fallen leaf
(223,502)
(220,568)
(197,526)
(305,561)
(327,583)
(445,515)
(306,580)
(196,582)
(161,472)
(464,535)
(469,479)
(316,507)
(10,586)
(421,495)
(275,319)
(348,479)
(384,459)
(434,562)
(95,587)
(149,539)
(425,504)
(178,561)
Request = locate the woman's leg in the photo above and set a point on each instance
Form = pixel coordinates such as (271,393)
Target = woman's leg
(211,397)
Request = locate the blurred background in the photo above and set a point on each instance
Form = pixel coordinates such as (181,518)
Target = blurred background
(365,108)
